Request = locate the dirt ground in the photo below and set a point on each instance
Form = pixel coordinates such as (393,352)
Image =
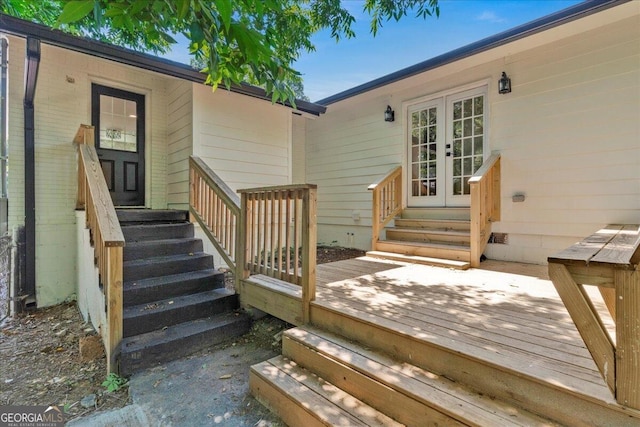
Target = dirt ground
(40,362)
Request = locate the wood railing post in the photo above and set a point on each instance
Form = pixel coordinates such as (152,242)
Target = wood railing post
(387,202)
(485,205)
(114,306)
(309,242)
(241,271)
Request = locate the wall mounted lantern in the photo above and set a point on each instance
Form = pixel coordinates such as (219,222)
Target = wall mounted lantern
(389,114)
(504,84)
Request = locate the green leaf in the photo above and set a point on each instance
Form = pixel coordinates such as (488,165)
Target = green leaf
(75,11)
(182,7)
(196,33)
(225,9)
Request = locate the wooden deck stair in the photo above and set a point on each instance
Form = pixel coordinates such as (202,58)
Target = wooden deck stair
(175,302)
(395,343)
(431,236)
(350,384)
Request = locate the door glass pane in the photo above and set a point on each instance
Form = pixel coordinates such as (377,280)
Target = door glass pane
(424,135)
(467,133)
(118,124)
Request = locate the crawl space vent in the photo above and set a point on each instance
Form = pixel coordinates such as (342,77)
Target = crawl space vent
(499,238)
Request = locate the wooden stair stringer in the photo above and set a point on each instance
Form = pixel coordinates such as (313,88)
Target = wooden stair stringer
(558,402)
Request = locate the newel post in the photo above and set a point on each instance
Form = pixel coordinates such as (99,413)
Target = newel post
(309,243)
(241,271)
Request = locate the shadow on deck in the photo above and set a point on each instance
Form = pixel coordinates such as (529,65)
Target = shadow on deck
(498,339)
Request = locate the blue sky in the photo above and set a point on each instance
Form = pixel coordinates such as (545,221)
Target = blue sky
(335,67)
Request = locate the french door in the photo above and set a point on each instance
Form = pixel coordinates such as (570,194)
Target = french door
(446,146)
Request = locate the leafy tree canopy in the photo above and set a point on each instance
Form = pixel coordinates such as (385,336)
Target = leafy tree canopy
(254,41)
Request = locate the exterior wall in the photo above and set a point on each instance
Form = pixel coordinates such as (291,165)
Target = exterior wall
(62,103)
(180,136)
(568,134)
(246,141)
(299,164)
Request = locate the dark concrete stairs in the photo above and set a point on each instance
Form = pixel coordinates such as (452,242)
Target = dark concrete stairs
(175,302)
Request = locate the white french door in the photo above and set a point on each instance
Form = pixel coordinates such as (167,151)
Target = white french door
(446,146)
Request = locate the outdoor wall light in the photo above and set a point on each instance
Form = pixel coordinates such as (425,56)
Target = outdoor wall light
(389,114)
(504,84)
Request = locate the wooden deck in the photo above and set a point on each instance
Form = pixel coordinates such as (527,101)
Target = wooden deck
(500,330)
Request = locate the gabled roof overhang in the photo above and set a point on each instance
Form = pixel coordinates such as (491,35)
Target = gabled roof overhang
(22,28)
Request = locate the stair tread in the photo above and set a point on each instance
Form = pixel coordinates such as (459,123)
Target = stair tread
(181,330)
(446,396)
(416,259)
(165,258)
(141,243)
(151,215)
(328,403)
(430,231)
(175,303)
(428,245)
(163,280)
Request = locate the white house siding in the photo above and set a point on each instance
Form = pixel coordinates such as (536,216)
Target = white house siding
(60,107)
(246,141)
(568,134)
(180,128)
(298,130)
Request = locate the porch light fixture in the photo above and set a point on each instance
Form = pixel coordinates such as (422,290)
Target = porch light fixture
(504,84)
(389,114)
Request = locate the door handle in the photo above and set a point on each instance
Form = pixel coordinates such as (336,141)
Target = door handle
(448,153)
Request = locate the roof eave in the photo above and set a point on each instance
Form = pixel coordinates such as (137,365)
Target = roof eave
(22,28)
(564,16)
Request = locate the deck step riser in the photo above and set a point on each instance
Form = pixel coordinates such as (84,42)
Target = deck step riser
(150,317)
(423,224)
(387,400)
(437,213)
(139,216)
(421,236)
(154,248)
(528,393)
(156,267)
(425,251)
(138,233)
(155,289)
(173,343)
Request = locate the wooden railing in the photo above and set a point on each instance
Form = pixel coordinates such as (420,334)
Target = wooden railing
(387,202)
(485,205)
(278,236)
(217,209)
(106,236)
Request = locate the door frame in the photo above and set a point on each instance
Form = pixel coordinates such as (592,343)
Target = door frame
(114,89)
(484,85)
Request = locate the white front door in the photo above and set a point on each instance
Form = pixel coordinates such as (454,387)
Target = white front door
(446,146)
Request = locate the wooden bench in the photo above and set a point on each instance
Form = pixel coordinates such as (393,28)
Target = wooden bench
(609,259)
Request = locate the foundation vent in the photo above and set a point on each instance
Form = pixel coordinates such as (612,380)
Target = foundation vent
(499,238)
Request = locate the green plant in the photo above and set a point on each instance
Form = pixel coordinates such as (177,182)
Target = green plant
(114,382)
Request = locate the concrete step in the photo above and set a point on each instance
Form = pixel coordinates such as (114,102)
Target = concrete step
(147,317)
(166,265)
(154,248)
(173,342)
(141,232)
(408,394)
(170,286)
(140,216)
(422,235)
(301,398)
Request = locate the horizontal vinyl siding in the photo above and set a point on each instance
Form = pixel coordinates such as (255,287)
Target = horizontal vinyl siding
(247,142)
(180,142)
(568,134)
(62,103)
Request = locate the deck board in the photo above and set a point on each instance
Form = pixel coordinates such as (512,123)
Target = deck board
(512,320)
